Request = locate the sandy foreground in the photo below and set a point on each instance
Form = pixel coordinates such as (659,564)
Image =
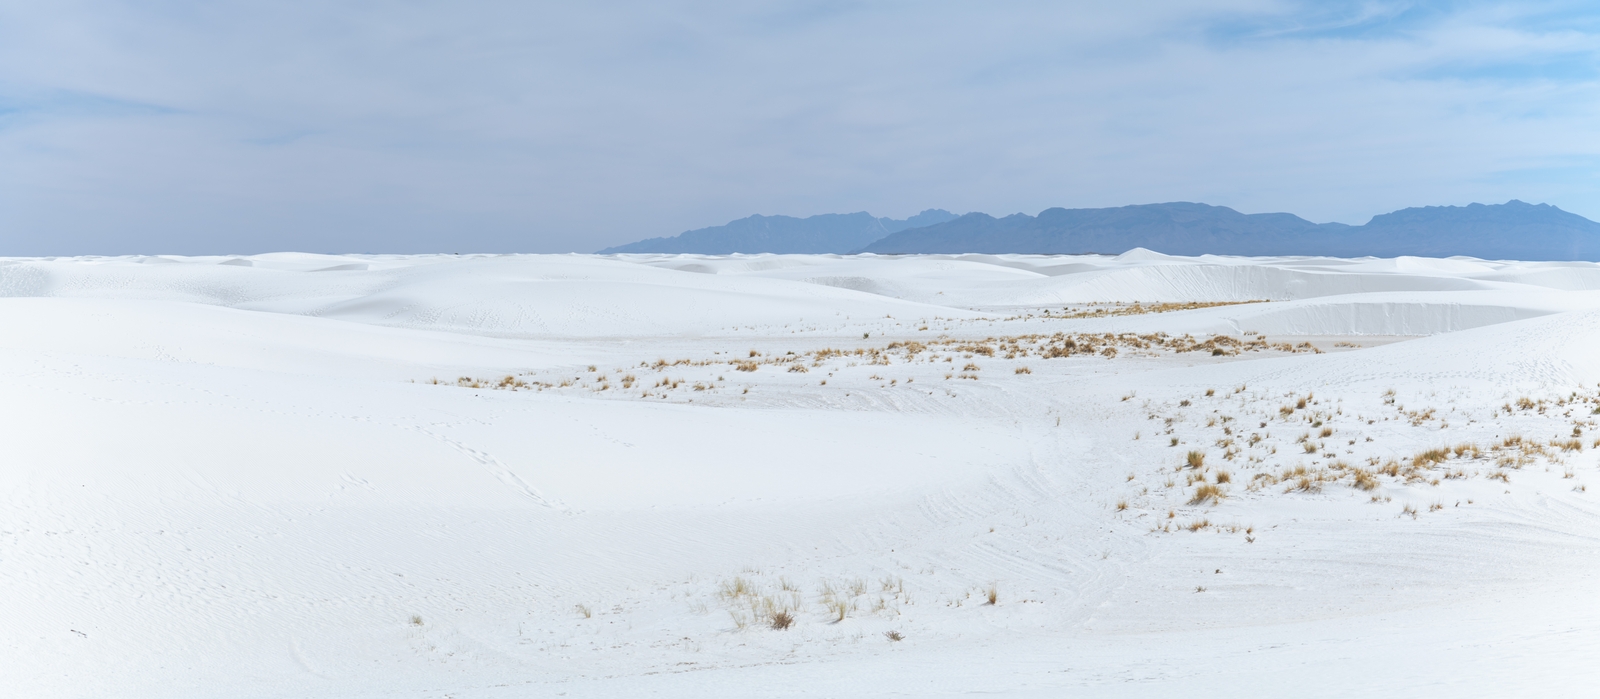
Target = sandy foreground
(297,475)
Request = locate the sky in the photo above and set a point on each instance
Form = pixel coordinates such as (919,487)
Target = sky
(224,127)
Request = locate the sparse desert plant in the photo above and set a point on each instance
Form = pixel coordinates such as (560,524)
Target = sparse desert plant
(837,607)
(1183,403)
(1207,492)
(1326,432)
(584,610)
(781,619)
(1211,392)
(1174,442)
(1430,457)
(1365,480)
(1195,459)
(894,636)
(1224,477)
(991,596)
(736,588)
(1122,505)
(1023,370)
(416,619)
(1569,445)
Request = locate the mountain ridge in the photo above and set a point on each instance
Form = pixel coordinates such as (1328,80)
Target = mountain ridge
(822,233)
(1513,230)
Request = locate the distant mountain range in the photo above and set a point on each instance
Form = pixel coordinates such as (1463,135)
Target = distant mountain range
(825,233)
(1514,230)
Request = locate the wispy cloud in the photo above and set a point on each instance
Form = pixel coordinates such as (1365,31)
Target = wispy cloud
(192,126)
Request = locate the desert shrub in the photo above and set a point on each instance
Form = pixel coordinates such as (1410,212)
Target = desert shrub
(1207,492)
(781,619)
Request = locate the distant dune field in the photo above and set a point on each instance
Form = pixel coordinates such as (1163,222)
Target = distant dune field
(295,475)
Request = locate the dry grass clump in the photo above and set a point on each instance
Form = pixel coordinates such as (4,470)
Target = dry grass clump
(748,604)
(781,619)
(1364,479)
(1429,458)
(1022,370)
(1097,310)
(1195,459)
(991,596)
(894,636)
(1207,493)
(838,608)
(736,588)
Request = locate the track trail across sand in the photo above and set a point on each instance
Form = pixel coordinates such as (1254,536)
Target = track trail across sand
(295,475)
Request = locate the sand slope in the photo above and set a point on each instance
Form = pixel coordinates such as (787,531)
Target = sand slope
(237,476)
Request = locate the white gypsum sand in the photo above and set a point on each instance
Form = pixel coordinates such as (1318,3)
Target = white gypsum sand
(297,475)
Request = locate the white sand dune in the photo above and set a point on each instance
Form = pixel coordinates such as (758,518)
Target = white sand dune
(237,476)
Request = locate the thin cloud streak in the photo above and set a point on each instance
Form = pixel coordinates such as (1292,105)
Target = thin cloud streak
(549,127)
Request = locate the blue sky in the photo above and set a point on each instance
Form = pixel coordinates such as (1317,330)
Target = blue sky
(169,126)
